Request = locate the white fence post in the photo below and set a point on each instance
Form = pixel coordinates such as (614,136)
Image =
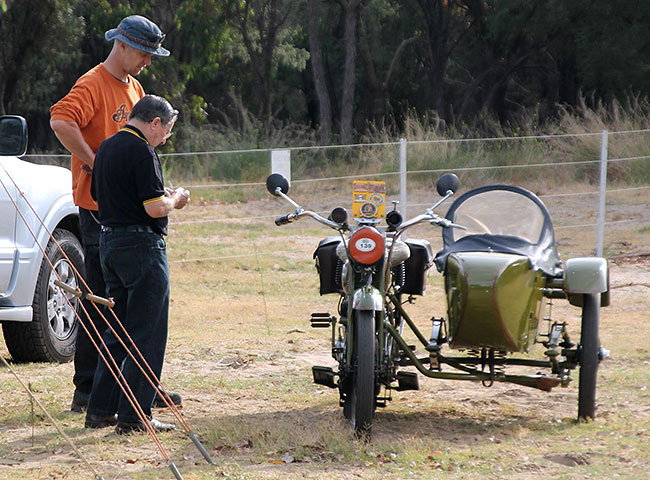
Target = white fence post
(281,163)
(402,177)
(603,190)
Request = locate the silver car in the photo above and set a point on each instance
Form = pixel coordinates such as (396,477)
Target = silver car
(38,322)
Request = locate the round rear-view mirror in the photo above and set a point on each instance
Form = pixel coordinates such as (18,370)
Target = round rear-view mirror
(339,215)
(394,219)
(447,183)
(276,180)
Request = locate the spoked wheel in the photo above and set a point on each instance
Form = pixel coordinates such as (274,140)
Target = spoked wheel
(359,406)
(589,347)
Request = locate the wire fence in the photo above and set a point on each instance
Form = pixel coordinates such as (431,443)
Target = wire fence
(594,184)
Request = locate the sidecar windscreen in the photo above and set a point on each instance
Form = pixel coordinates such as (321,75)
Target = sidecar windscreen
(504,219)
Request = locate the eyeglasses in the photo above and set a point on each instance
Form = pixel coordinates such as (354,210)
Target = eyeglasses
(166,126)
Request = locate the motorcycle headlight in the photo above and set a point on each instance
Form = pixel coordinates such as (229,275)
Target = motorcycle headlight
(366,246)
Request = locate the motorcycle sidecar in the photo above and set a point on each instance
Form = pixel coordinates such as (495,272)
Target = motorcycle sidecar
(501,270)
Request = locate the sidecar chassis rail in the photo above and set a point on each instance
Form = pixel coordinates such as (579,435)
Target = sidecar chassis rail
(541,382)
(465,364)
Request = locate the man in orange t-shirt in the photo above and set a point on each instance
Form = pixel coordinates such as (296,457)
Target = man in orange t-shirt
(98,106)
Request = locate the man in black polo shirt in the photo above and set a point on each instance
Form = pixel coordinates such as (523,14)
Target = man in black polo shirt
(133,207)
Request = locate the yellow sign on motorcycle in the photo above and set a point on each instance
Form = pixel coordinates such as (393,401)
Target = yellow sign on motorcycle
(368,199)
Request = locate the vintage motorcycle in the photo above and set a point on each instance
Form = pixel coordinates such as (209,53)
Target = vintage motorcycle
(500,265)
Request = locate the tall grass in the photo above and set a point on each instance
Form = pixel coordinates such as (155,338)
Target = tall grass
(574,137)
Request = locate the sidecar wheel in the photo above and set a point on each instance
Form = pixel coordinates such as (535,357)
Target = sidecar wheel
(362,397)
(589,345)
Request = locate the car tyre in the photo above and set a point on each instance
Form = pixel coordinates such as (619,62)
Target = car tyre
(51,335)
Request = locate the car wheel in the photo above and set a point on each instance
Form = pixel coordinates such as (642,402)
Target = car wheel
(51,335)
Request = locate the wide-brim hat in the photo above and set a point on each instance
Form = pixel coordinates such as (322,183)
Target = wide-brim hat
(139,32)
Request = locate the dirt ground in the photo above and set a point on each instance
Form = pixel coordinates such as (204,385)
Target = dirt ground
(461,414)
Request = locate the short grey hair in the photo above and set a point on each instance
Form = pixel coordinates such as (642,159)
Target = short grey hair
(152,106)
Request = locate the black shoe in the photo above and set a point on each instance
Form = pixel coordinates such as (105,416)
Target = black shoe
(123,428)
(100,421)
(79,401)
(175,397)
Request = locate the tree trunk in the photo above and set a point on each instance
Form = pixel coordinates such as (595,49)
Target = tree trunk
(378,94)
(437,17)
(324,106)
(352,8)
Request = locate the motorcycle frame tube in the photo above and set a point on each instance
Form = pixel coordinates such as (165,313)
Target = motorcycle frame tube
(398,306)
(523,380)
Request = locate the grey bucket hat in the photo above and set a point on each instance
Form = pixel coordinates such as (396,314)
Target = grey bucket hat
(139,32)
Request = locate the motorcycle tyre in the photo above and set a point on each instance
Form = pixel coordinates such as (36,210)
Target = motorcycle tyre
(347,403)
(589,349)
(361,399)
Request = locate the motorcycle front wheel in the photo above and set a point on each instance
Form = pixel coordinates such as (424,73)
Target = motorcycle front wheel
(359,405)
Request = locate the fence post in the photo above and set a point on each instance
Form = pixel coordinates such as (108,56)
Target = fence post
(402,177)
(281,163)
(603,190)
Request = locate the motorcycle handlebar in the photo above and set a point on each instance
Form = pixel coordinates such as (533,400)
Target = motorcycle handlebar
(292,217)
(284,219)
(433,219)
(429,216)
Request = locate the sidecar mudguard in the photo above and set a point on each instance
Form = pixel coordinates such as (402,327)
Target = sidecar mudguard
(586,275)
(367,298)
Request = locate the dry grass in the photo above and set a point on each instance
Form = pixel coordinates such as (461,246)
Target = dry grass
(240,351)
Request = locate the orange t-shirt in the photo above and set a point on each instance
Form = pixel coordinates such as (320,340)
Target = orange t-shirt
(100,104)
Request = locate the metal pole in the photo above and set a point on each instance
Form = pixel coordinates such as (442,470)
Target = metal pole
(603,190)
(402,177)
(281,163)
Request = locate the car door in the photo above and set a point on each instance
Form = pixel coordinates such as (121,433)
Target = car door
(7,230)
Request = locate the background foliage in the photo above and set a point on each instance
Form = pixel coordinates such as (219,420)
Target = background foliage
(245,71)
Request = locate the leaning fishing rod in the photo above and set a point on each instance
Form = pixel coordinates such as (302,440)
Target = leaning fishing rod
(123,386)
(95,299)
(54,422)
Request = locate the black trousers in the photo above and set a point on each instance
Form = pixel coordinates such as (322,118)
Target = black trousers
(137,277)
(85,357)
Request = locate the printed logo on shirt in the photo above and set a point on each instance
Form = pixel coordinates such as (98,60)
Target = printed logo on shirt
(121,115)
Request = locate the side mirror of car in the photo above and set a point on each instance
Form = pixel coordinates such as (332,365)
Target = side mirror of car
(447,183)
(13,135)
(275,181)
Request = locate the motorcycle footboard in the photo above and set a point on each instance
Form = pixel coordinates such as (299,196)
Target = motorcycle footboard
(407,381)
(324,376)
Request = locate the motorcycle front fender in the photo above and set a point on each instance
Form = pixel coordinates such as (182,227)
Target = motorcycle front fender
(367,298)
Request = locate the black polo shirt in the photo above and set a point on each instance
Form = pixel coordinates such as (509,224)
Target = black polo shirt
(126,176)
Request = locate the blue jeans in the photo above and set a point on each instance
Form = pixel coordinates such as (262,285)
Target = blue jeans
(137,277)
(85,357)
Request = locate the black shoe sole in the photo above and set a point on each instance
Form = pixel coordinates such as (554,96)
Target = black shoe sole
(101,424)
(175,399)
(162,404)
(128,428)
(79,402)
